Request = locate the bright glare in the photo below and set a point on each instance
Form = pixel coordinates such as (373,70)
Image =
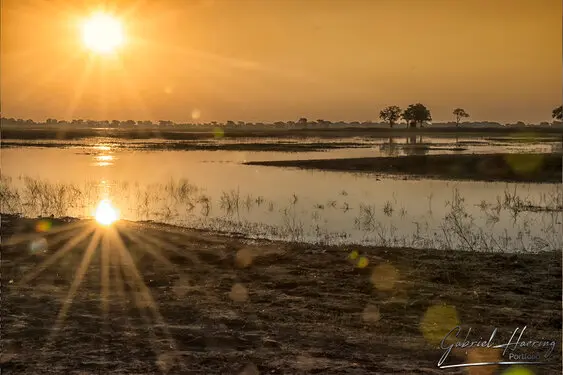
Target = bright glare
(106,214)
(102,33)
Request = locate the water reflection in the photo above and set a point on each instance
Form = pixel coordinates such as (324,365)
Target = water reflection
(421,214)
(104,158)
(416,147)
(390,148)
(106,214)
(102,147)
(211,190)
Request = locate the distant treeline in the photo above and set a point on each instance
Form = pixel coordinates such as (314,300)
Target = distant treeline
(415,115)
(302,123)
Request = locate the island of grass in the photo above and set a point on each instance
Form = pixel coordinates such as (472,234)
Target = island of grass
(487,167)
(162,299)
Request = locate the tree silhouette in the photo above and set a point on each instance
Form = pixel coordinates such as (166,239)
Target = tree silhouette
(390,114)
(459,113)
(557,113)
(416,114)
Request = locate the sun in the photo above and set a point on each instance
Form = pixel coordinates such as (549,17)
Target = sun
(102,33)
(106,214)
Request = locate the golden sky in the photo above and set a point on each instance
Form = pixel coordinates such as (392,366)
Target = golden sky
(271,60)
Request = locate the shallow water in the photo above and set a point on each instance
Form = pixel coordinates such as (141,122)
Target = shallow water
(214,190)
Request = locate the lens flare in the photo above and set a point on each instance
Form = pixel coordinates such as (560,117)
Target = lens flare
(106,214)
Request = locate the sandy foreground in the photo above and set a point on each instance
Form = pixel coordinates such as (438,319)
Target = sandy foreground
(160,299)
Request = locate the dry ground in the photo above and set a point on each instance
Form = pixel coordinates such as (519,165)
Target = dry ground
(230,305)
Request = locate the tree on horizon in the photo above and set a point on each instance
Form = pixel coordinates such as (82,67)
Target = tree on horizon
(459,113)
(416,114)
(557,113)
(390,114)
(303,121)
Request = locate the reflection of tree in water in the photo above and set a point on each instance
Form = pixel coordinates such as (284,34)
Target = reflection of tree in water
(390,148)
(415,147)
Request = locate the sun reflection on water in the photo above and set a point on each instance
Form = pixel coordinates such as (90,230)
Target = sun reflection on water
(105,213)
(104,157)
(102,148)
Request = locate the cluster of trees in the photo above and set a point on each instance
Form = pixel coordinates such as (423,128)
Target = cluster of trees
(419,114)
(415,114)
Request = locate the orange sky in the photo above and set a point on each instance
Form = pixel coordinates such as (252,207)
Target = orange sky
(257,60)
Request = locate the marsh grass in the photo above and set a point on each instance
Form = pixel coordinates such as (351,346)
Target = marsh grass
(230,201)
(388,209)
(292,226)
(513,221)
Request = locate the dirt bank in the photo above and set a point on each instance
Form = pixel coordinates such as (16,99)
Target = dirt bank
(490,167)
(236,306)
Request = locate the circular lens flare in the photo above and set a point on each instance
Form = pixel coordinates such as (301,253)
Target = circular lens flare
(106,214)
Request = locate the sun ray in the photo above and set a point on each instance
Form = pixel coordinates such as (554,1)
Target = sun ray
(126,13)
(104,275)
(48,76)
(216,63)
(52,242)
(119,270)
(56,256)
(78,278)
(175,230)
(130,266)
(209,65)
(103,88)
(19,238)
(144,300)
(132,91)
(170,247)
(80,88)
(154,253)
(141,308)
(118,281)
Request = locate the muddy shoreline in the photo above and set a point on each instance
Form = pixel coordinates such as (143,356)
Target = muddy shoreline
(535,168)
(229,304)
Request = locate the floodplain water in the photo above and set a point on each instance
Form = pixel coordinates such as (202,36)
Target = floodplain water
(215,190)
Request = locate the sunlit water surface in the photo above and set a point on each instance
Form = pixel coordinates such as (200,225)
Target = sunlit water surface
(214,190)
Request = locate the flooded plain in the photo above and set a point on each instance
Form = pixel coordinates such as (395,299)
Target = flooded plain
(200,188)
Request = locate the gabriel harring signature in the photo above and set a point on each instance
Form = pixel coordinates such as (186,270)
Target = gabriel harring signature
(515,342)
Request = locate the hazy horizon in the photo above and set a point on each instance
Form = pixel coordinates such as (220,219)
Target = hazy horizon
(253,61)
